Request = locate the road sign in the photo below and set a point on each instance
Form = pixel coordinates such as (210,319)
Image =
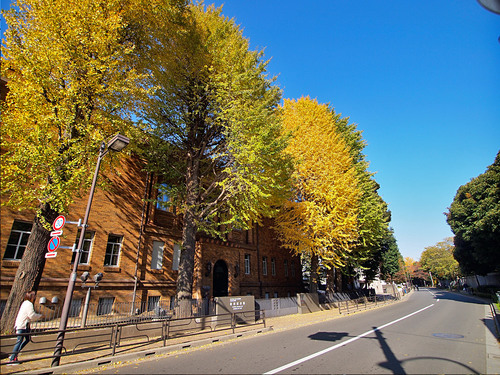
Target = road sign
(52,247)
(59,222)
(54,241)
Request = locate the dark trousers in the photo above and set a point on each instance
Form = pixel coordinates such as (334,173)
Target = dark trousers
(22,341)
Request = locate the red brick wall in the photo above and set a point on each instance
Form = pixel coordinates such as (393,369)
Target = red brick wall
(119,210)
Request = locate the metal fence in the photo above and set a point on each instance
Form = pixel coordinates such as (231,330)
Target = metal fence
(120,336)
(108,312)
(352,305)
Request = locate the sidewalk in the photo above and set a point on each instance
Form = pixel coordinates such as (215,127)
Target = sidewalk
(85,362)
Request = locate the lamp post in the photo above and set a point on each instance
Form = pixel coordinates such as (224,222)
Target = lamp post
(117,143)
(84,278)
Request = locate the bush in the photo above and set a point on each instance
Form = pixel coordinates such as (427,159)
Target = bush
(486,291)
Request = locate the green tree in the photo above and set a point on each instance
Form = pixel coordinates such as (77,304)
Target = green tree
(373,215)
(438,259)
(71,85)
(474,218)
(391,257)
(215,137)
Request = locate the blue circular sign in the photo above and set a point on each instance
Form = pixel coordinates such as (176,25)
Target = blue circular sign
(53,244)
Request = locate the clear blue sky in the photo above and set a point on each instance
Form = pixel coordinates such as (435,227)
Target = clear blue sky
(420,78)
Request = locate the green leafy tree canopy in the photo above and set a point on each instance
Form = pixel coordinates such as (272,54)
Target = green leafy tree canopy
(216,140)
(474,218)
(438,259)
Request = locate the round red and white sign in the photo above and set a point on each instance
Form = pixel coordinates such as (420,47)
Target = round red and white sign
(59,222)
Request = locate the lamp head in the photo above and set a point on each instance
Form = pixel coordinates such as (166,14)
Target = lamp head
(118,142)
(98,278)
(84,277)
(491,5)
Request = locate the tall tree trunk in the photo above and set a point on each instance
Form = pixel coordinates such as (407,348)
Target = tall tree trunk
(189,229)
(338,280)
(330,281)
(313,281)
(186,264)
(29,272)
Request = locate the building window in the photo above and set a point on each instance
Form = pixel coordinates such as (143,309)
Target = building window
(163,199)
(18,239)
(266,295)
(176,257)
(285,266)
(105,305)
(273,266)
(153,302)
(292,268)
(113,250)
(275,294)
(157,255)
(86,248)
(264,265)
(172,302)
(75,307)
(3,303)
(247,264)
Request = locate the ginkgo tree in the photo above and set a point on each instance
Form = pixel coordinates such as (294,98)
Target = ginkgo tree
(216,140)
(322,217)
(374,216)
(71,82)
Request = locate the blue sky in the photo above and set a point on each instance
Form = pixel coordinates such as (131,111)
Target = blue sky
(421,79)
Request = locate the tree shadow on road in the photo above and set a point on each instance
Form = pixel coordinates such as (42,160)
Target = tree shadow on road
(457,296)
(396,366)
(328,336)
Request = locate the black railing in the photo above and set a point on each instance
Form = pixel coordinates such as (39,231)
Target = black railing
(125,334)
(363,303)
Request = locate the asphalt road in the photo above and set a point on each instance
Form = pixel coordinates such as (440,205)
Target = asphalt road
(431,332)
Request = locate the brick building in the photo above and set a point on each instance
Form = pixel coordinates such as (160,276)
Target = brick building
(136,245)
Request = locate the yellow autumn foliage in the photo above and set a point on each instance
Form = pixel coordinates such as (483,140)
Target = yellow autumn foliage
(72,84)
(321,219)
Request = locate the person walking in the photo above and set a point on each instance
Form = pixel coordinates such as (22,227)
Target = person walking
(25,315)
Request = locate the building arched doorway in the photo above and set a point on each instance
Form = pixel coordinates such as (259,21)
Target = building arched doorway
(221,279)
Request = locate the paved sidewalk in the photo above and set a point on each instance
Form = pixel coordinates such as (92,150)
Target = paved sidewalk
(85,362)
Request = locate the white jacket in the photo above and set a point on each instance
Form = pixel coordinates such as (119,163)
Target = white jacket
(26,314)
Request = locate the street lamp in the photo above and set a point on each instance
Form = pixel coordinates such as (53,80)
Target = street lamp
(85,276)
(491,5)
(117,143)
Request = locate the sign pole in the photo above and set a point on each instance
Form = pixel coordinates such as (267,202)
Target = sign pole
(71,284)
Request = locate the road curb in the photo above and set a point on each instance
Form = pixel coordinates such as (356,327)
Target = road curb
(106,361)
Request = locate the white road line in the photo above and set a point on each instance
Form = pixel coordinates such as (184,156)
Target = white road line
(434,295)
(324,351)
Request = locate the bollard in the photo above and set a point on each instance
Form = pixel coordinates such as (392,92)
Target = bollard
(115,338)
(164,328)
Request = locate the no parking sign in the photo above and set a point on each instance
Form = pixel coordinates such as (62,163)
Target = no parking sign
(55,241)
